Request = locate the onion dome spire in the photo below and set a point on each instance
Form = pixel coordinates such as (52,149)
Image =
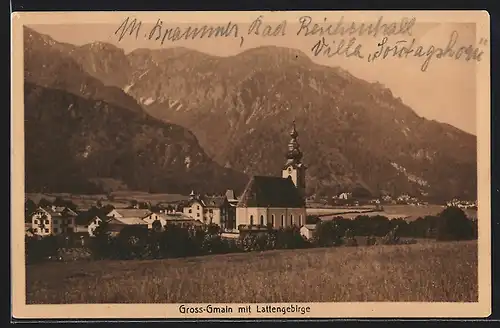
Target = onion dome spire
(293,155)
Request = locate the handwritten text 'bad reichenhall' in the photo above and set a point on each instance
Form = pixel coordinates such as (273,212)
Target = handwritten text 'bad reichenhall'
(331,39)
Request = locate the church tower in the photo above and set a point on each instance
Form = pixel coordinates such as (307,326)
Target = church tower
(294,167)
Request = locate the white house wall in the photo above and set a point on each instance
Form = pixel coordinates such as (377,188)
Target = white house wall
(59,223)
(215,216)
(195,211)
(307,233)
(53,225)
(35,221)
(291,216)
(198,212)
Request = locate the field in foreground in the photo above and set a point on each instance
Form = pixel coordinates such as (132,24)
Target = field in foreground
(445,272)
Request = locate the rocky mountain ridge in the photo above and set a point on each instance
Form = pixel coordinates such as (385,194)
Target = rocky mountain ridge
(353,133)
(80,134)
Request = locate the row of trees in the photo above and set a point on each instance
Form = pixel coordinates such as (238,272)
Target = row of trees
(451,224)
(173,241)
(177,241)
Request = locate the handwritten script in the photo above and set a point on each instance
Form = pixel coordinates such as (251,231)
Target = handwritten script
(329,39)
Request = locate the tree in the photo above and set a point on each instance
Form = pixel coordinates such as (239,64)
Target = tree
(59,202)
(349,239)
(156,225)
(29,206)
(132,242)
(454,224)
(101,245)
(328,233)
(312,219)
(44,202)
(38,248)
(133,204)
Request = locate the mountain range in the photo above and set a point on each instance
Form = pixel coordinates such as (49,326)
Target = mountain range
(233,114)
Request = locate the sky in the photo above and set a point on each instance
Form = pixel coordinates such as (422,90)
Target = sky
(445,92)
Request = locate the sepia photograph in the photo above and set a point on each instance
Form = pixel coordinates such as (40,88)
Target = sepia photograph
(251,164)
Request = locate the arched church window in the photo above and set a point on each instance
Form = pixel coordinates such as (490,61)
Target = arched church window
(262,220)
(272,220)
(291,219)
(300,220)
(282,220)
(251,220)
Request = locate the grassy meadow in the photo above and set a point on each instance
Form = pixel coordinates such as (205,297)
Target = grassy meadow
(432,272)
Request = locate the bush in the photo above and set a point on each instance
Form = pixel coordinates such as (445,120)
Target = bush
(38,249)
(329,233)
(132,243)
(178,241)
(455,225)
(102,243)
(370,241)
(290,238)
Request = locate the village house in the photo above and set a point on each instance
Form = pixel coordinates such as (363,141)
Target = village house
(344,195)
(53,220)
(308,231)
(88,219)
(210,210)
(276,202)
(387,199)
(160,220)
(117,219)
(116,225)
(128,214)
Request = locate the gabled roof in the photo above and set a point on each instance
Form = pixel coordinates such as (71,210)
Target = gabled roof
(132,212)
(132,221)
(209,201)
(266,191)
(214,201)
(58,211)
(85,217)
(171,216)
(85,220)
(127,221)
(309,226)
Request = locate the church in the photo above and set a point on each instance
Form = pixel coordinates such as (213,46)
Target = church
(276,201)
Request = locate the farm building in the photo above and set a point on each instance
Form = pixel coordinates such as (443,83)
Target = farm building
(162,219)
(115,225)
(308,231)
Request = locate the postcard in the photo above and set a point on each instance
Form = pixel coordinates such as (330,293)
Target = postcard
(251,165)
